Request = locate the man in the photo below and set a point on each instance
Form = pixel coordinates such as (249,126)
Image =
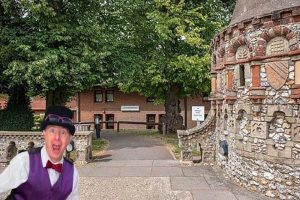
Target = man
(43,173)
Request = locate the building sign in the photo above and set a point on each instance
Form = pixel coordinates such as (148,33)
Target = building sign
(130,108)
(198,113)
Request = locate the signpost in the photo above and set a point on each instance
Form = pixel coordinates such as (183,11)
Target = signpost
(198,114)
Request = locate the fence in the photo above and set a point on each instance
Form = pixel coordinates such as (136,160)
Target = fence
(86,126)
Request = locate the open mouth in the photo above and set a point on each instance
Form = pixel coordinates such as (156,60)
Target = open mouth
(56,148)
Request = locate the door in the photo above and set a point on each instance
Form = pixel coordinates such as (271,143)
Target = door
(109,121)
(150,119)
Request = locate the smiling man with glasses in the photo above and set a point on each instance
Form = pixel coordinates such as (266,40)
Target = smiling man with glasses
(43,173)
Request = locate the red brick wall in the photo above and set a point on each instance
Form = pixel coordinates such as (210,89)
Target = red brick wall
(88,108)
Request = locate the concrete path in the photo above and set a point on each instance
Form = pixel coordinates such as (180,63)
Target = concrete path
(140,168)
(133,147)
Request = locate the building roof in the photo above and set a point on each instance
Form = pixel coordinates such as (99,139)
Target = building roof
(247,9)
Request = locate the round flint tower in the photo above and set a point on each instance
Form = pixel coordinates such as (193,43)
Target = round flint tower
(255,96)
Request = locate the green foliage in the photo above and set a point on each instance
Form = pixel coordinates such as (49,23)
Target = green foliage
(99,144)
(57,45)
(17,116)
(167,45)
(3,96)
(229,5)
(15,120)
(37,122)
(163,44)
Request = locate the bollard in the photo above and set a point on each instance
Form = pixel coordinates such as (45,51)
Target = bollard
(164,127)
(97,127)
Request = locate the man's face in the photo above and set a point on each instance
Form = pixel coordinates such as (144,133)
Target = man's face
(56,140)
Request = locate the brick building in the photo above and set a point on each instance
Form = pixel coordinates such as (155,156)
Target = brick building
(114,105)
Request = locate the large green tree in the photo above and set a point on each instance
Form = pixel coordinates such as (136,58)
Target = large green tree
(17,115)
(58,46)
(164,51)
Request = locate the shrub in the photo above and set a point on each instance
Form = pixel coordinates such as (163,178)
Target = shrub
(17,116)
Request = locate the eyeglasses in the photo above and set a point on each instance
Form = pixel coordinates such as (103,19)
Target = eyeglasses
(58,119)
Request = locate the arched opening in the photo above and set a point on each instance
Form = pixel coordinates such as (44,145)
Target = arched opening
(11,151)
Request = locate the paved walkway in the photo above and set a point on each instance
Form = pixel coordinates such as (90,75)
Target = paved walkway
(140,168)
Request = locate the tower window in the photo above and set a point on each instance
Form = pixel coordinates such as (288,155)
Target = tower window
(242,75)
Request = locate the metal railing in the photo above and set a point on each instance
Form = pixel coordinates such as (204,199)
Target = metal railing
(84,126)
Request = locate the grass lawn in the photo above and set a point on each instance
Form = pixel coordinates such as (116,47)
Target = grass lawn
(98,145)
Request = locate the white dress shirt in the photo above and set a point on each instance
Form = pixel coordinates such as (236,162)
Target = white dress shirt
(17,172)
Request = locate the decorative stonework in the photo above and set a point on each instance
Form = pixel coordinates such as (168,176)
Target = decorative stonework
(242,53)
(259,129)
(277,45)
(243,128)
(296,132)
(259,120)
(83,143)
(230,125)
(280,130)
(277,73)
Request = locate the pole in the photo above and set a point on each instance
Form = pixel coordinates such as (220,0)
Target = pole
(97,127)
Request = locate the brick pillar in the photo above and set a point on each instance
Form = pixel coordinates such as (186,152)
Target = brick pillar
(230,80)
(255,75)
(213,83)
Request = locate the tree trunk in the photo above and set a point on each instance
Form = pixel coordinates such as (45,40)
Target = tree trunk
(55,97)
(173,119)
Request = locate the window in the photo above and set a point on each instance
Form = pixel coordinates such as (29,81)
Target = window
(150,100)
(98,96)
(242,75)
(109,121)
(150,119)
(109,96)
(205,96)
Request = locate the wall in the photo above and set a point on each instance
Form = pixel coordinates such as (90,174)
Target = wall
(89,108)
(82,140)
(259,120)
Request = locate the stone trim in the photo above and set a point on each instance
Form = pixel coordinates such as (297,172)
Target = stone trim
(82,139)
(291,15)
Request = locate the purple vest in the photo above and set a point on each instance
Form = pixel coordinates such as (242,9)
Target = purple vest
(38,184)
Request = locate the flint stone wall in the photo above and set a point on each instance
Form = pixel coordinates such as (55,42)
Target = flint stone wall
(82,140)
(263,141)
(256,97)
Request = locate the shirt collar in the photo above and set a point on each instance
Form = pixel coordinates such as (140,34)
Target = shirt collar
(45,157)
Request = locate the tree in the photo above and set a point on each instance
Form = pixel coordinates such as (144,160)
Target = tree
(58,46)
(17,115)
(229,4)
(168,56)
